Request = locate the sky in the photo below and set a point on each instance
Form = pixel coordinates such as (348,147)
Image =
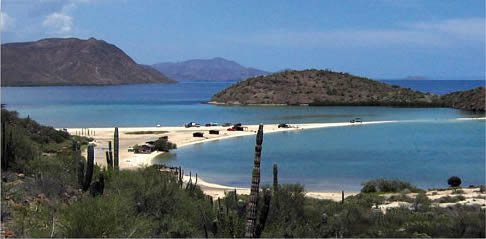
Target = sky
(384,39)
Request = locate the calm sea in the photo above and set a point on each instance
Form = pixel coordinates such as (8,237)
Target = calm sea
(426,148)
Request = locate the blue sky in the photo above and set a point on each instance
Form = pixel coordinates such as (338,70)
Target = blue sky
(373,38)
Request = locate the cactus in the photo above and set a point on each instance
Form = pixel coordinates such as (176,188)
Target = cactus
(110,152)
(180,176)
(275,177)
(267,198)
(4,146)
(342,197)
(81,173)
(116,145)
(98,187)
(10,151)
(255,186)
(89,168)
(108,163)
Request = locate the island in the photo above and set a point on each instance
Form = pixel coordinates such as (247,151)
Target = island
(72,61)
(327,88)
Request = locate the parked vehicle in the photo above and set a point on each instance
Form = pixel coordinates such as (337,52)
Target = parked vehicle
(356,120)
(211,124)
(192,124)
(198,134)
(226,124)
(284,126)
(237,128)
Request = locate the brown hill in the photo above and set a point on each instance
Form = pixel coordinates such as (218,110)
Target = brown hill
(216,69)
(71,61)
(320,87)
(473,100)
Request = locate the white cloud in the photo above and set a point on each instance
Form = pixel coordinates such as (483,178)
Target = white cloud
(6,21)
(59,23)
(446,33)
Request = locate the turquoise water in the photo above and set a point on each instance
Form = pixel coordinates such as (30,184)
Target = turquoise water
(425,149)
(175,104)
(425,153)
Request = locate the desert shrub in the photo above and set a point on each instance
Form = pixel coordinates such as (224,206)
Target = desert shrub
(163,144)
(33,220)
(112,216)
(458,191)
(287,216)
(449,199)
(387,186)
(401,198)
(421,202)
(367,200)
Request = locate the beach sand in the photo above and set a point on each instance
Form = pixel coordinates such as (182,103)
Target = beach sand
(183,137)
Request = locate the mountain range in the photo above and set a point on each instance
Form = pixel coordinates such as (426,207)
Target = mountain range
(216,69)
(72,61)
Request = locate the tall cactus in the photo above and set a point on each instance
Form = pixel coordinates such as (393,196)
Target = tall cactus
(110,154)
(89,168)
(267,198)
(116,147)
(81,173)
(275,177)
(255,186)
(4,146)
(108,163)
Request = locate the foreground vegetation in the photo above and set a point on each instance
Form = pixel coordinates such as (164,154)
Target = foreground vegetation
(41,197)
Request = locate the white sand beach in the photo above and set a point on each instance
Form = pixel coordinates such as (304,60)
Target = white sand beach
(183,136)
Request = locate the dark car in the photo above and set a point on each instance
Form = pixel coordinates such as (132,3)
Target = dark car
(284,126)
(192,124)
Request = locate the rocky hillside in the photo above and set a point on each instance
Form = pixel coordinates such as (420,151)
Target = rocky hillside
(320,87)
(71,61)
(472,100)
(216,69)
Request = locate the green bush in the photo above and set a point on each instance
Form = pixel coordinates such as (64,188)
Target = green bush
(388,186)
(163,144)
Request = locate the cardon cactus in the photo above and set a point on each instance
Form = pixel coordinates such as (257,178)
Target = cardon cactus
(108,162)
(110,154)
(116,147)
(275,177)
(267,198)
(4,146)
(255,186)
(98,187)
(89,168)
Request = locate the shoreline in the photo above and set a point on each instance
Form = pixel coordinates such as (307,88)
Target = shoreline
(183,137)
